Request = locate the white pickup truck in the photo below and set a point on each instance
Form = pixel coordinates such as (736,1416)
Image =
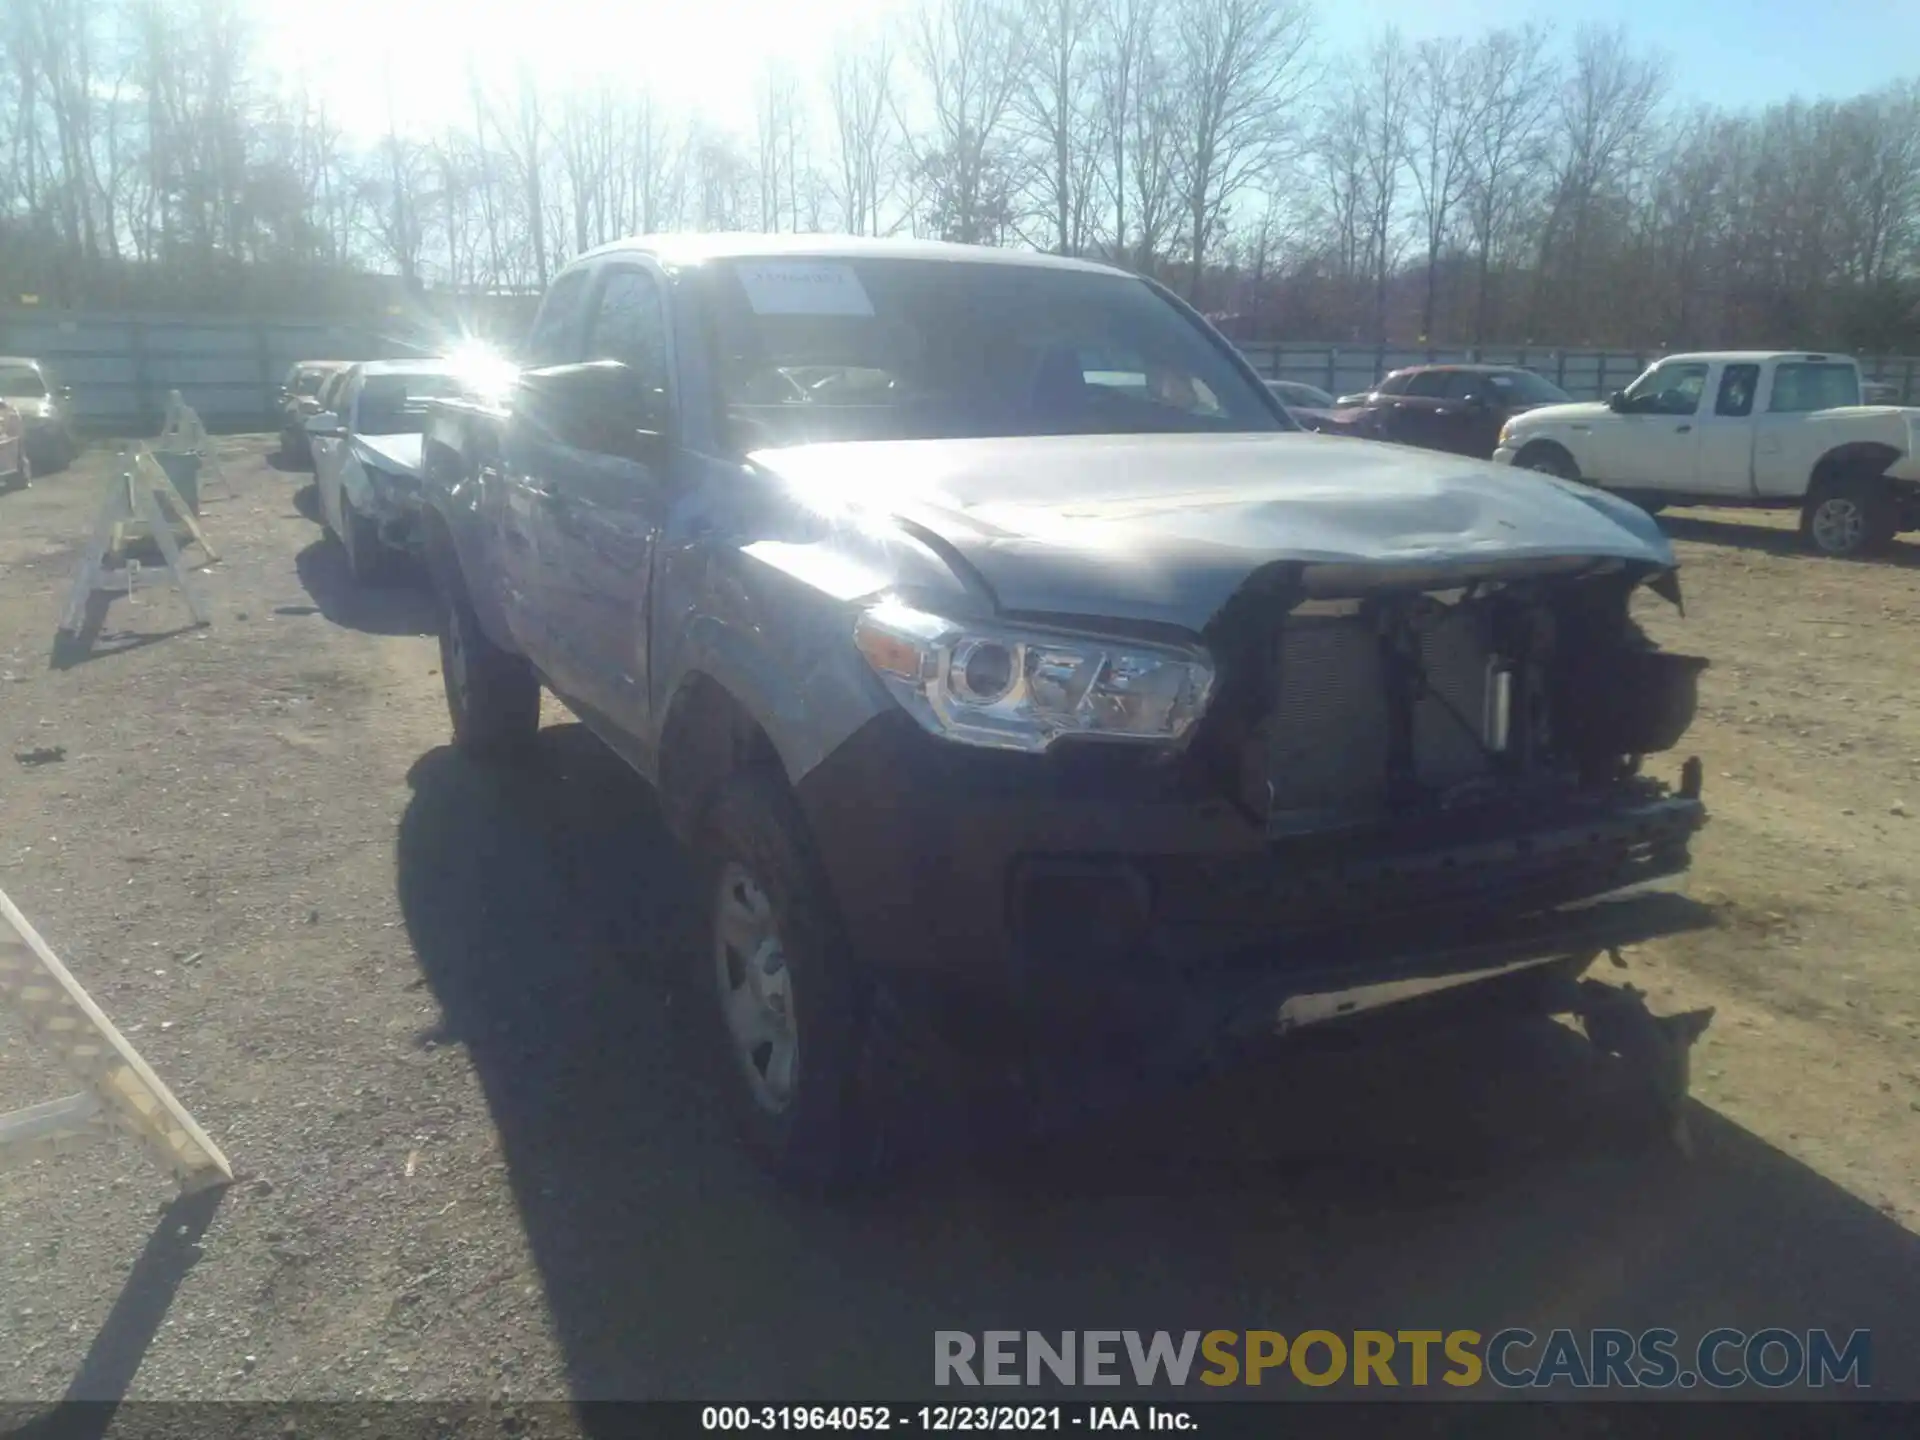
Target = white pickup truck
(1776,429)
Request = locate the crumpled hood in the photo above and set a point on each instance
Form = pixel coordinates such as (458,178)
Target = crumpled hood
(1166,528)
(396,454)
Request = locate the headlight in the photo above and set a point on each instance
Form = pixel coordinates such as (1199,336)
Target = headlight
(1506,432)
(1017,689)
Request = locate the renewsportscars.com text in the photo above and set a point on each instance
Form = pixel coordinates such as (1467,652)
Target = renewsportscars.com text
(1722,1359)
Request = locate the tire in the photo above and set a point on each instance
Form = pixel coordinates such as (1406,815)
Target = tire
(790,1008)
(22,479)
(1548,460)
(493,697)
(1843,519)
(368,560)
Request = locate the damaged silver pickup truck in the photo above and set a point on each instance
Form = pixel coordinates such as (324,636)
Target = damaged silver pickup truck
(1036,693)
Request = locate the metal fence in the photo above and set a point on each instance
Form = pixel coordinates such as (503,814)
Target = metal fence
(121,366)
(1583,374)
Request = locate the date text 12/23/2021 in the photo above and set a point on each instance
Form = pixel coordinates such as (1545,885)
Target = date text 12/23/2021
(940,1419)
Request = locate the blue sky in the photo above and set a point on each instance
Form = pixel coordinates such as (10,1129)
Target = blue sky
(1726,52)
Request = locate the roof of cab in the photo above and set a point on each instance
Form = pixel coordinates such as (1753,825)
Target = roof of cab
(1735,357)
(694,249)
(406,367)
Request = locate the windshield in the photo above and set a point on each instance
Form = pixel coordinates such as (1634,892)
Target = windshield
(20,383)
(818,350)
(1529,389)
(397,404)
(1292,392)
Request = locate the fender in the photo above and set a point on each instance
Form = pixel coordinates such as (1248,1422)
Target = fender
(453,530)
(808,699)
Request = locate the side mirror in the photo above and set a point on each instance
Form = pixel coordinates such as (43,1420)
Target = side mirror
(601,405)
(1617,401)
(325,426)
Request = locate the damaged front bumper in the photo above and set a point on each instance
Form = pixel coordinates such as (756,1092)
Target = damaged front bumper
(1034,901)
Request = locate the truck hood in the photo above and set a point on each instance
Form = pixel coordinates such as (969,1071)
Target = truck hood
(1166,528)
(1578,412)
(396,454)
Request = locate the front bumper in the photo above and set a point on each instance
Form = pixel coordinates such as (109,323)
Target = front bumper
(1049,896)
(1504,455)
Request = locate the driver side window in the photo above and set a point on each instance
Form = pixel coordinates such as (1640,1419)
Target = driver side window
(1674,388)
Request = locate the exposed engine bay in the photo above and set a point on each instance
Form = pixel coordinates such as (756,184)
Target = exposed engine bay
(1343,714)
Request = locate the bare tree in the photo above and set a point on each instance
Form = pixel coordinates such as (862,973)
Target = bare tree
(971,55)
(1055,104)
(860,91)
(1240,70)
(1123,62)
(1601,116)
(1440,130)
(1511,79)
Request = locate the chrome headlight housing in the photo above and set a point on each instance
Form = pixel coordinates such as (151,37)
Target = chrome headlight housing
(1015,688)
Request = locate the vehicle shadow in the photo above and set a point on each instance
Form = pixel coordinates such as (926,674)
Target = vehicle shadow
(307,501)
(1447,1181)
(1768,539)
(403,606)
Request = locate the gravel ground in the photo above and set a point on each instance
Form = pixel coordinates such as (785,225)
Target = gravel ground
(434,1017)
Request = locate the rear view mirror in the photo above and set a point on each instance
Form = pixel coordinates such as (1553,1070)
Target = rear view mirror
(1617,401)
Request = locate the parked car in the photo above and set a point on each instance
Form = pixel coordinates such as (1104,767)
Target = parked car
(1057,699)
(298,400)
(1756,428)
(45,411)
(15,468)
(1308,404)
(366,457)
(1456,408)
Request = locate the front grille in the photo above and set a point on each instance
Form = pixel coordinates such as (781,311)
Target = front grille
(1324,753)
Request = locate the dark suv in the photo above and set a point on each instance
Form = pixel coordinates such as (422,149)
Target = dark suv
(1457,408)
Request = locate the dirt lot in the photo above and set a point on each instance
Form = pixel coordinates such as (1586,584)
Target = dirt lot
(433,1015)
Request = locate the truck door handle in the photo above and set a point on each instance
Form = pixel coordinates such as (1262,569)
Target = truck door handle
(1681,429)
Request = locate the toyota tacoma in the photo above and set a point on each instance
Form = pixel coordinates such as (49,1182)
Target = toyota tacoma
(1035,692)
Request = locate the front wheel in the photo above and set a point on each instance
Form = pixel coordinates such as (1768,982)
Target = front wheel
(790,1007)
(1548,460)
(493,697)
(1848,518)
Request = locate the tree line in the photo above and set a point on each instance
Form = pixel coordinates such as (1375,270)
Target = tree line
(1517,185)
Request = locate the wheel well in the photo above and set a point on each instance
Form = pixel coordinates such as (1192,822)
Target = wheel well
(707,737)
(443,558)
(1535,447)
(1860,460)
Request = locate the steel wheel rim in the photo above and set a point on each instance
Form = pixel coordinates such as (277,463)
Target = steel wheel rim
(1838,524)
(756,989)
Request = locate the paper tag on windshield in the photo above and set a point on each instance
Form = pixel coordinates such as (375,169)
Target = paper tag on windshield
(803,287)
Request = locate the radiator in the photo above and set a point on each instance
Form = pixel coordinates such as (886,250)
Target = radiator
(1326,739)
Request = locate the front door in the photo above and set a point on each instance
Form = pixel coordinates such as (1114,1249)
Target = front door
(1652,442)
(1468,420)
(607,501)
(518,481)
